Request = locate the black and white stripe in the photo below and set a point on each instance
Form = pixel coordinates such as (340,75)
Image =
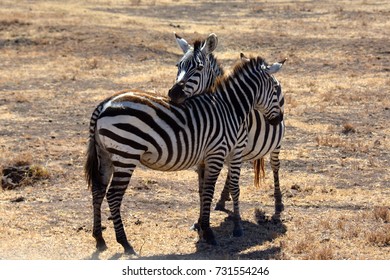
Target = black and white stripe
(263,138)
(133,128)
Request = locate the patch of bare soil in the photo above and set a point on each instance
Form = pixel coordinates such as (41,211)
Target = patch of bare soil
(59,59)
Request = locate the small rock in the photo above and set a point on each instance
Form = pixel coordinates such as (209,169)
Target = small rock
(18,199)
(295,187)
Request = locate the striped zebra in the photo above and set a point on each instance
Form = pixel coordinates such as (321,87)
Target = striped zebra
(263,138)
(132,128)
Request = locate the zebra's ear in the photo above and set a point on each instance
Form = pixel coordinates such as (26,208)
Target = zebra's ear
(272,69)
(243,57)
(182,43)
(210,44)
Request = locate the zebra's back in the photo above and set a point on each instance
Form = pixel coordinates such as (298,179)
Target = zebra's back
(135,126)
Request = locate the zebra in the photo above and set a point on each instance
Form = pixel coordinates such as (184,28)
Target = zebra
(263,138)
(196,67)
(134,127)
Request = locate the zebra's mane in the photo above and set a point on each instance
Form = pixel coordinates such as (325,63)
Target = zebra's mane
(198,44)
(240,67)
(213,60)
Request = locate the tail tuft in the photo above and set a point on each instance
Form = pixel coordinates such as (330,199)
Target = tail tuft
(91,165)
(259,170)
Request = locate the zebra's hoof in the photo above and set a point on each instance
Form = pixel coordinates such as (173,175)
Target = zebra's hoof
(220,207)
(279,208)
(101,248)
(129,250)
(126,245)
(101,245)
(208,236)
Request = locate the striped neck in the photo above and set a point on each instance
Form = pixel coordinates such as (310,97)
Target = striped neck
(244,88)
(216,68)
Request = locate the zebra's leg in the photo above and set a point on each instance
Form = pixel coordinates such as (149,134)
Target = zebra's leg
(234,188)
(98,193)
(200,170)
(211,174)
(275,164)
(120,181)
(225,196)
(234,168)
(99,187)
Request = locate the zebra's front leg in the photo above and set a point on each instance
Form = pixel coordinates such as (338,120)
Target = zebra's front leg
(225,196)
(275,164)
(200,171)
(206,193)
(119,183)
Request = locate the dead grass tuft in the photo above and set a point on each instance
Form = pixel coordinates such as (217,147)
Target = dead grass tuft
(382,213)
(341,223)
(338,141)
(301,247)
(352,231)
(22,172)
(323,252)
(348,128)
(304,245)
(380,237)
(92,64)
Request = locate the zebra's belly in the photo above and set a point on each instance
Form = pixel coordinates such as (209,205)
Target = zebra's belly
(157,162)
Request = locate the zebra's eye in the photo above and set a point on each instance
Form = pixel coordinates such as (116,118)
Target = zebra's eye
(200,67)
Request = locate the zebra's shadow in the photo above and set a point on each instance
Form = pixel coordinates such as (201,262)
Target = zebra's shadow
(229,247)
(244,247)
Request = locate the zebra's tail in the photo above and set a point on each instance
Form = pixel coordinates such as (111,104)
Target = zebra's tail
(91,167)
(259,170)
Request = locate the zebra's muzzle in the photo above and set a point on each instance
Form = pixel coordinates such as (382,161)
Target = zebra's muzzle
(176,94)
(276,121)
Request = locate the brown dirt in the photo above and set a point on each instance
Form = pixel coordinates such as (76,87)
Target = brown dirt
(59,59)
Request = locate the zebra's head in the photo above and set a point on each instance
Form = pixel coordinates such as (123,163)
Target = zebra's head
(197,69)
(271,103)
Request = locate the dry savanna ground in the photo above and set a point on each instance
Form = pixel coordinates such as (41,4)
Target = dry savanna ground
(59,59)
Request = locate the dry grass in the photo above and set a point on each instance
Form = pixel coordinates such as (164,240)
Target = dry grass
(59,59)
(382,213)
(21,172)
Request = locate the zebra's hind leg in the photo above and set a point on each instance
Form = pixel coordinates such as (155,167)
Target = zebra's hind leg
(275,164)
(98,194)
(119,183)
(225,196)
(234,175)
(100,180)
(234,168)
